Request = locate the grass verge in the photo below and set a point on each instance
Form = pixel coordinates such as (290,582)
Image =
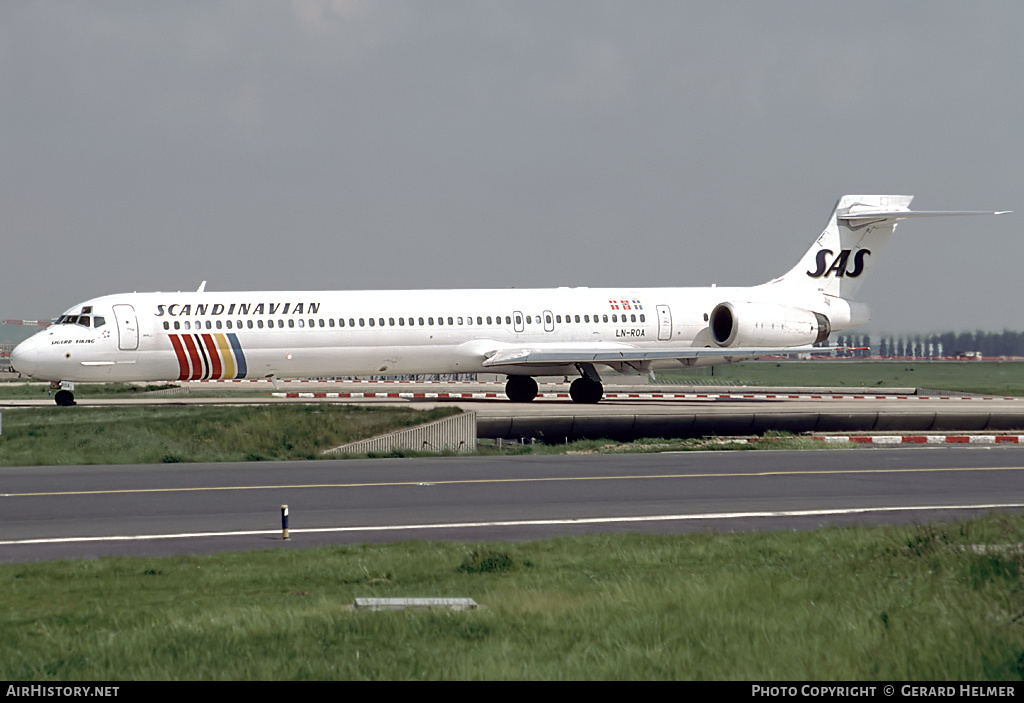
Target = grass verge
(122,435)
(887,603)
(1001,378)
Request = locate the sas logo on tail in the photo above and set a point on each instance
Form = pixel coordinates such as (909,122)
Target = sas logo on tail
(838,266)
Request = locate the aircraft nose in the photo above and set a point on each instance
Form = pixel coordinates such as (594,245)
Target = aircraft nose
(24,359)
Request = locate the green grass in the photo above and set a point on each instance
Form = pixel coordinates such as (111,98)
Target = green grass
(169,434)
(990,377)
(36,390)
(893,603)
(120,435)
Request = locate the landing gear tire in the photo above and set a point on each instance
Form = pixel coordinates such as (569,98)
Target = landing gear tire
(521,389)
(64,398)
(583,390)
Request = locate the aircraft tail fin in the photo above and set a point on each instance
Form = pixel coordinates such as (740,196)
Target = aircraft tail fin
(857,231)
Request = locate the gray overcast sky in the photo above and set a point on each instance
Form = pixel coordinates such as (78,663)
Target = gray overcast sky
(346,144)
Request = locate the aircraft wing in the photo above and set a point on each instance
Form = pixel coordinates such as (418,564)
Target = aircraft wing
(549,356)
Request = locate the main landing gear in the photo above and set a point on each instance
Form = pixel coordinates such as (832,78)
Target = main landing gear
(521,389)
(585,389)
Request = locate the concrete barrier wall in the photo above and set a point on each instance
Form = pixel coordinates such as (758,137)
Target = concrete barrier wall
(629,426)
(457,434)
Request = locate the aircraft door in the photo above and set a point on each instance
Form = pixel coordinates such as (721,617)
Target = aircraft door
(549,321)
(664,323)
(127,327)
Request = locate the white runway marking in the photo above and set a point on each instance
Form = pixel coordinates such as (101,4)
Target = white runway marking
(519,523)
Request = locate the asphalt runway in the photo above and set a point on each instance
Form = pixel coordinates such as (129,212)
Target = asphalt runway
(89,511)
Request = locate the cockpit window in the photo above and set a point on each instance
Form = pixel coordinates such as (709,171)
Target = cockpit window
(98,321)
(84,321)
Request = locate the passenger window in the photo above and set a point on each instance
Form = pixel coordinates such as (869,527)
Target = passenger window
(615,318)
(451,321)
(209,325)
(352,322)
(460,320)
(632,318)
(332,322)
(479,320)
(606,318)
(577,318)
(430,321)
(291,323)
(177,325)
(401,322)
(188,325)
(642,318)
(167,325)
(229,324)
(420,321)
(391,321)
(488,319)
(361,322)
(519,320)
(248,323)
(586,318)
(547,319)
(219,325)
(259,323)
(381,320)
(508,319)
(372,322)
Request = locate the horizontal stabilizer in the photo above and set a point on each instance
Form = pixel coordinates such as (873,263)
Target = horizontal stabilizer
(907,214)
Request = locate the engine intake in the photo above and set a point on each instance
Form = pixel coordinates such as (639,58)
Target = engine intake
(766,325)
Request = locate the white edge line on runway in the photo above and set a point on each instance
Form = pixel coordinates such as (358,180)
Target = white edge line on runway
(520,523)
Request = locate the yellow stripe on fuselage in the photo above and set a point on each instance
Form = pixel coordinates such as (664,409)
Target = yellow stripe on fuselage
(226,355)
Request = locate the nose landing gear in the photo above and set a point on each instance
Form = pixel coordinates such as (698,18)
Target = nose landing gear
(64,396)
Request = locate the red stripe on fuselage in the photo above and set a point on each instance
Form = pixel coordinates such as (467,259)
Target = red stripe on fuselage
(193,354)
(211,348)
(182,359)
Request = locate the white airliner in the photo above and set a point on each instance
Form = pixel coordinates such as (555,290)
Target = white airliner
(521,333)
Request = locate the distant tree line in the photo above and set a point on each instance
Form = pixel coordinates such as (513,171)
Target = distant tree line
(930,346)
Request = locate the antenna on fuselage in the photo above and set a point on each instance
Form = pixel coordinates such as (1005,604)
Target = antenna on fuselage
(202,287)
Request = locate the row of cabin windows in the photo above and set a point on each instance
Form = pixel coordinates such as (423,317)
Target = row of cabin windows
(401,321)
